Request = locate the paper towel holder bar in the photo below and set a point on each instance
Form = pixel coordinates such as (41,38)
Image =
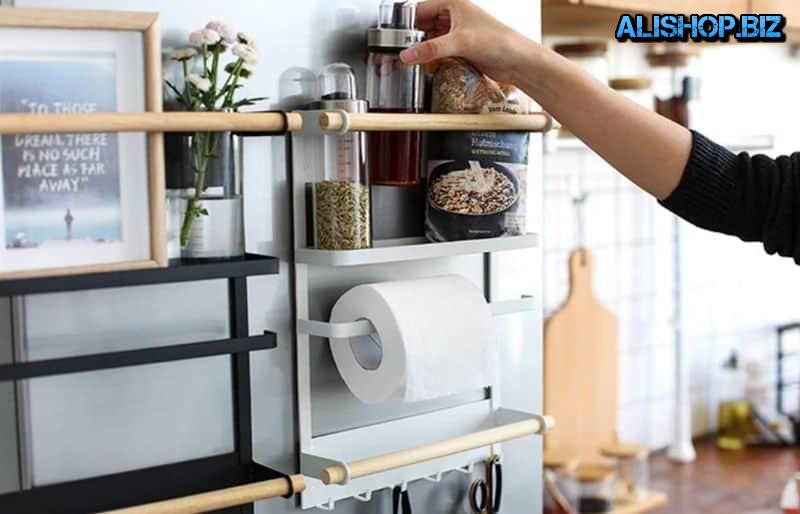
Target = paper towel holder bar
(363,327)
(344,472)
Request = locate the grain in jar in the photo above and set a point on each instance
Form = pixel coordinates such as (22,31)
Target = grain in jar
(341,198)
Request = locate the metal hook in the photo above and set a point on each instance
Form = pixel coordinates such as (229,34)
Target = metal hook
(331,505)
(579,197)
(467,470)
(403,486)
(364,497)
(434,478)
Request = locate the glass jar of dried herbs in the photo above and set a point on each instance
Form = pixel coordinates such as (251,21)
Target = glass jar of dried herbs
(342,198)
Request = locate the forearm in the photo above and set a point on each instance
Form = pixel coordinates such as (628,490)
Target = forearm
(649,149)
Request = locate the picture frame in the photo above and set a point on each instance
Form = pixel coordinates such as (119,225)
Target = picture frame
(77,203)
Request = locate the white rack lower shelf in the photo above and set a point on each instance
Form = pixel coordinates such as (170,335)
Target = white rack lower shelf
(397,452)
(398,250)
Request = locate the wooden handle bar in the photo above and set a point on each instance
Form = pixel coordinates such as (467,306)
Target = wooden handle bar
(148,122)
(394,460)
(222,499)
(537,122)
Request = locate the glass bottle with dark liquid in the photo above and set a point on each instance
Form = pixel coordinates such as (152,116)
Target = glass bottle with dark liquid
(675,84)
(393,87)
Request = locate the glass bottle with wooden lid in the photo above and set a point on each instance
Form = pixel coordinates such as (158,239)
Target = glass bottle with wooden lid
(633,470)
(636,88)
(560,492)
(595,485)
(676,81)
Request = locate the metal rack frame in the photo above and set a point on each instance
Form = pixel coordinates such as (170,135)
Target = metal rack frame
(476,424)
(171,480)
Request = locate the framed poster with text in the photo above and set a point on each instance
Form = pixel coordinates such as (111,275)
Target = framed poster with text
(90,201)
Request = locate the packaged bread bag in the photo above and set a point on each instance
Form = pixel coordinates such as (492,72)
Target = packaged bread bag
(476,181)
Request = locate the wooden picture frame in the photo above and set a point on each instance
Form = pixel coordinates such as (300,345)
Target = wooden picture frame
(147,24)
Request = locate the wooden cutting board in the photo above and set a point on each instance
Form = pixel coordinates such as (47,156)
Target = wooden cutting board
(580,368)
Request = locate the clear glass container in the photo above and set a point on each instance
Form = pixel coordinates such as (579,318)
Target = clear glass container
(591,56)
(638,89)
(632,471)
(205,211)
(560,495)
(594,484)
(394,87)
(341,199)
(676,83)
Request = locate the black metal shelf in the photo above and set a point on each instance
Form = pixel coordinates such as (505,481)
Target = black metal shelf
(98,361)
(173,480)
(181,271)
(138,487)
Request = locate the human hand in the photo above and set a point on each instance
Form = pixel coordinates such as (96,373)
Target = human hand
(459,28)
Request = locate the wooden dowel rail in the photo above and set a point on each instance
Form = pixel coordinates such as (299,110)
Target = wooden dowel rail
(536,122)
(399,459)
(221,499)
(149,122)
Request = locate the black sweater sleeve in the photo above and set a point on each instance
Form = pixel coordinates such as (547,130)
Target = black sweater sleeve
(755,198)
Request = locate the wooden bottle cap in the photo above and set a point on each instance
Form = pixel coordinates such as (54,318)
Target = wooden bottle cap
(626,451)
(556,459)
(630,83)
(592,472)
(582,49)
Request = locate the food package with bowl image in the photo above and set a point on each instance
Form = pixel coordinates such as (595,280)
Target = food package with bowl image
(476,181)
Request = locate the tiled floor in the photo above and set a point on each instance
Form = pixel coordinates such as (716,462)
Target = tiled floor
(720,482)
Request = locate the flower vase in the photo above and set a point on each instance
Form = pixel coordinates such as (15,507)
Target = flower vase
(205,218)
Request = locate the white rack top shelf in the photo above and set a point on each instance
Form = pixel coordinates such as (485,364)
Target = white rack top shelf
(398,250)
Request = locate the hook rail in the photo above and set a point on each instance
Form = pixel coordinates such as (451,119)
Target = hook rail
(339,474)
(336,121)
(221,499)
(266,122)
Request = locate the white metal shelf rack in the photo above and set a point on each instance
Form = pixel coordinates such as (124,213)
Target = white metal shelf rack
(455,438)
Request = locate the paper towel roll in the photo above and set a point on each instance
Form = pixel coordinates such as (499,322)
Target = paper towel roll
(434,338)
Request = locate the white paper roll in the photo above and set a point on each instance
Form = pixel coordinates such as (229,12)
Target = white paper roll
(434,338)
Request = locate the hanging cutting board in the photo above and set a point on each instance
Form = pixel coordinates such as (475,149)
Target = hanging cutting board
(580,367)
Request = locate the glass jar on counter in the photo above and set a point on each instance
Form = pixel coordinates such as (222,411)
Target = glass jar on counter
(632,471)
(676,82)
(394,87)
(594,484)
(341,199)
(638,89)
(560,493)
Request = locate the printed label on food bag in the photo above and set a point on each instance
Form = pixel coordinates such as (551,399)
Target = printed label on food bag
(476,184)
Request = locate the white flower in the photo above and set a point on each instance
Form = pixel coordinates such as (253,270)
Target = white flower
(202,37)
(225,31)
(246,53)
(246,39)
(201,83)
(183,54)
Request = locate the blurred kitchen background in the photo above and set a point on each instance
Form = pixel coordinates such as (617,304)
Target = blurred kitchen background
(670,284)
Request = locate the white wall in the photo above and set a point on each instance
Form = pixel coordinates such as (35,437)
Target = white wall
(733,294)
